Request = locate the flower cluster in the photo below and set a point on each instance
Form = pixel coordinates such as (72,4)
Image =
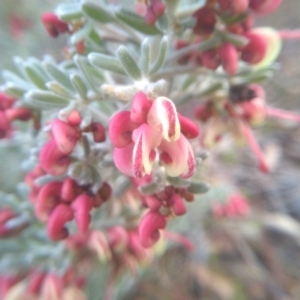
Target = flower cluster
(245,106)
(214,17)
(152,126)
(63,199)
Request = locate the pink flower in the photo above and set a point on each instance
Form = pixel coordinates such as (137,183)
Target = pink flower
(152,129)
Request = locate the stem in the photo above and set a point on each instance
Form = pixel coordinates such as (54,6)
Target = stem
(179,239)
(283,114)
(289,34)
(109,291)
(248,134)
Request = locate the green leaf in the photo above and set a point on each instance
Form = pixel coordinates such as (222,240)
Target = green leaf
(80,35)
(45,100)
(135,21)
(96,11)
(69,11)
(79,85)
(145,58)
(199,187)
(106,62)
(34,76)
(57,74)
(14,90)
(129,63)
(85,67)
(14,78)
(58,89)
(161,55)
(95,37)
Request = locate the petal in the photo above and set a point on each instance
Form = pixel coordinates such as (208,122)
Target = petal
(120,129)
(163,117)
(177,157)
(65,135)
(52,160)
(146,139)
(140,108)
(274,45)
(123,159)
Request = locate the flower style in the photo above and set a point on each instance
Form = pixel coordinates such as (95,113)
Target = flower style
(152,126)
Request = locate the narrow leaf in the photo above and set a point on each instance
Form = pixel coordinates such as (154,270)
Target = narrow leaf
(145,59)
(34,77)
(106,62)
(45,99)
(14,90)
(57,74)
(135,21)
(69,11)
(161,55)
(80,35)
(199,187)
(129,63)
(85,67)
(79,85)
(58,89)
(96,11)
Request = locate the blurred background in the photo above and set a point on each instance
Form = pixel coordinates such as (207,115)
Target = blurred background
(255,257)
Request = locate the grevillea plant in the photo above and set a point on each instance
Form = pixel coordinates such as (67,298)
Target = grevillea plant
(116,133)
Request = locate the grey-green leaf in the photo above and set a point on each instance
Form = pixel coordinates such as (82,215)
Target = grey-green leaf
(145,58)
(34,76)
(129,63)
(161,55)
(106,62)
(199,187)
(135,21)
(45,100)
(57,74)
(69,11)
(96,11)
(79,85)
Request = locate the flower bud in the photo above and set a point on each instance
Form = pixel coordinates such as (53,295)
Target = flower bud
(65,135)
(57,220)
(229,58)
(52,160)
(82,206)
(264,6)
(139,108)
(205,21)
(48,197)
(149,228)
(53,24)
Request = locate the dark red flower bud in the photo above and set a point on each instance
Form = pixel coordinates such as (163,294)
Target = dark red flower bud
(53,24)
(98,132)
(205,21)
